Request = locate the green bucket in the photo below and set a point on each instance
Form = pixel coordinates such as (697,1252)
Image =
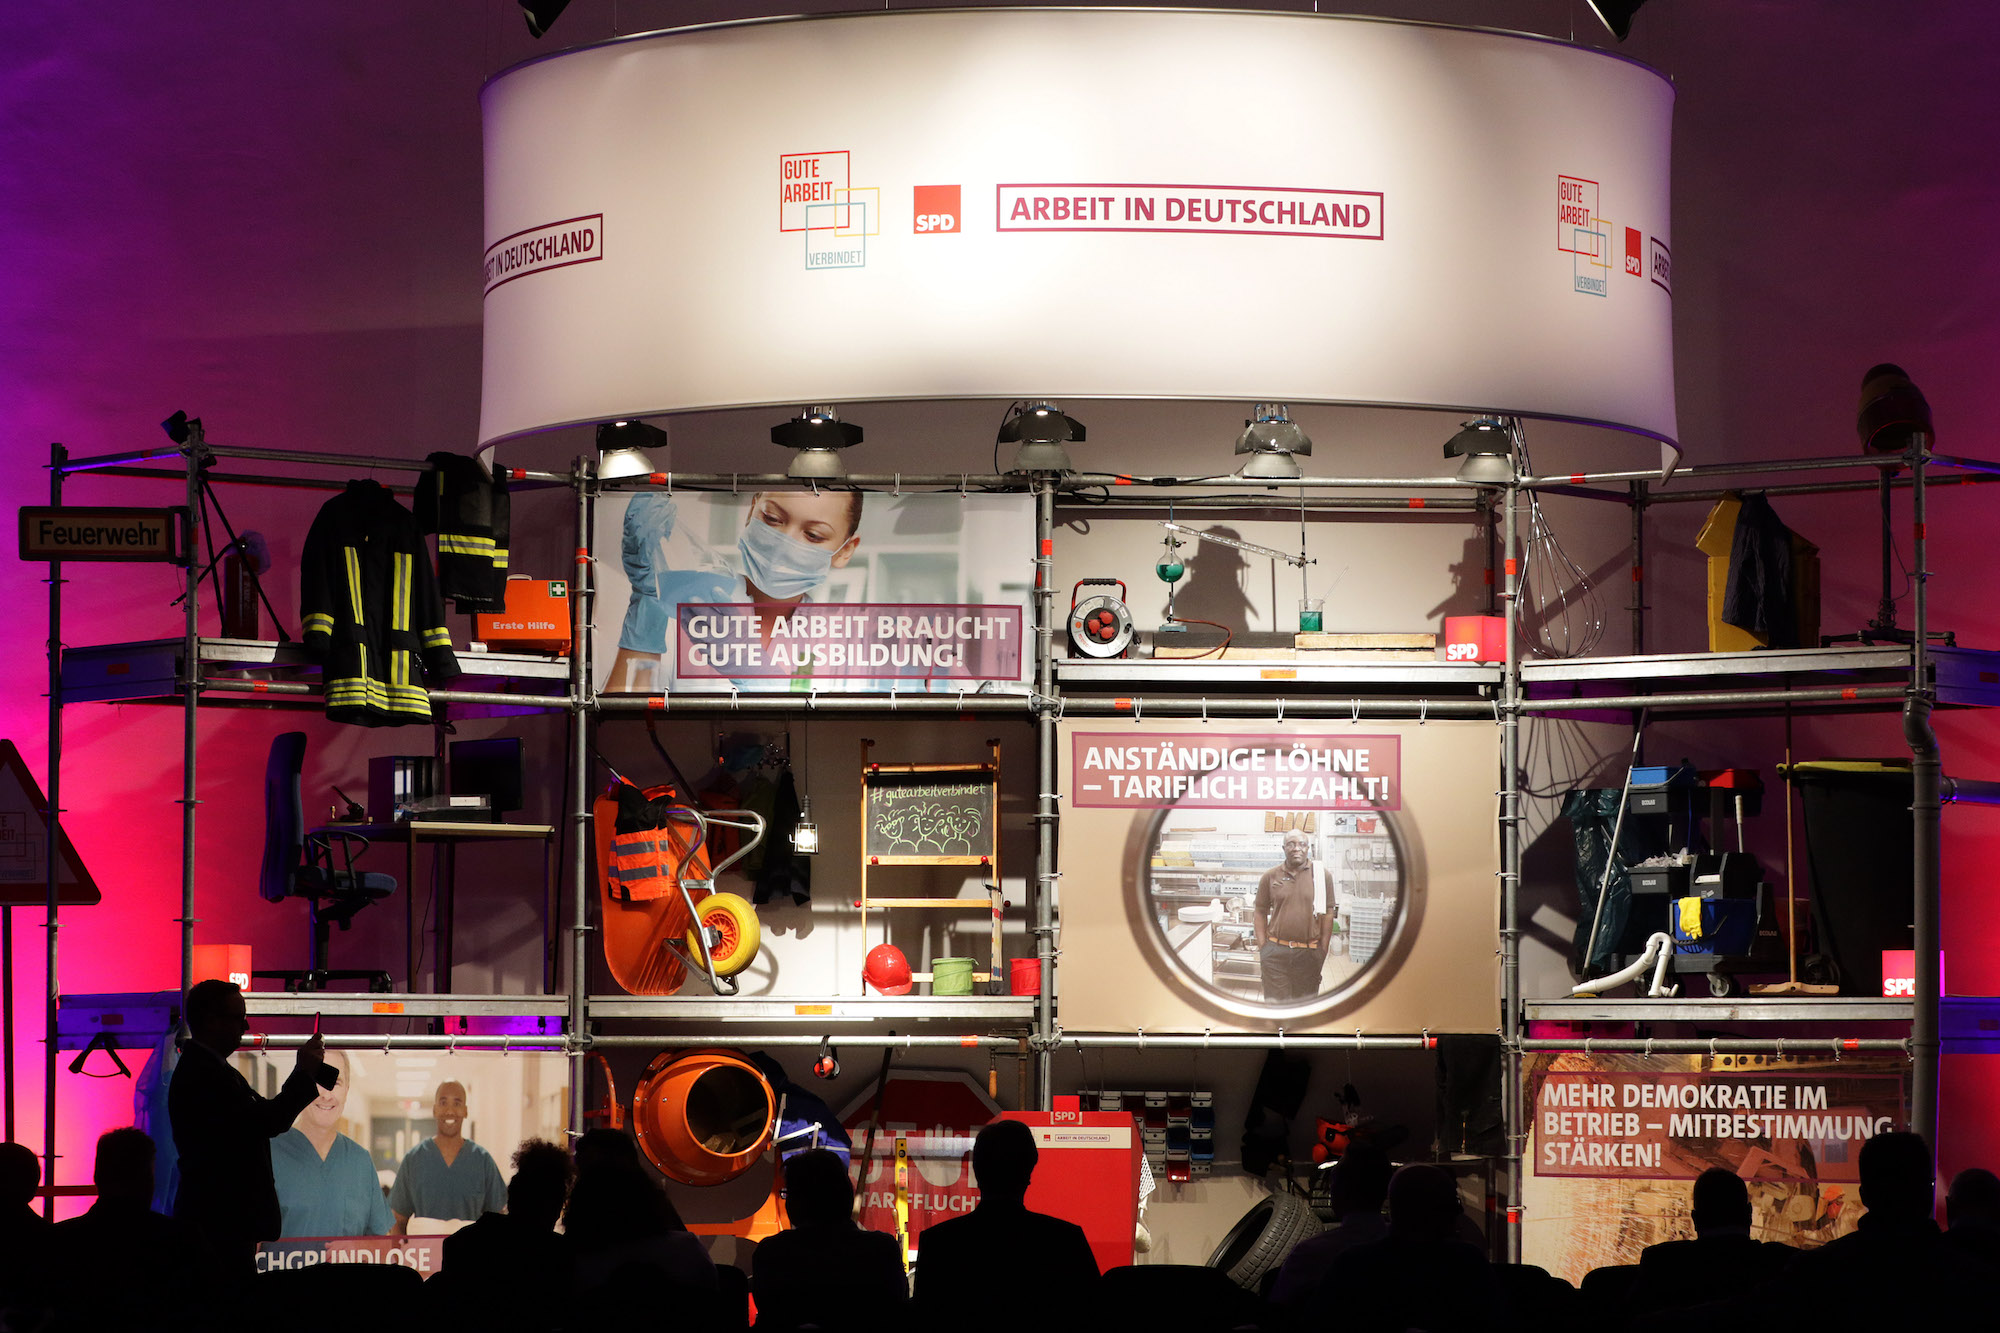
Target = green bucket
(951,976)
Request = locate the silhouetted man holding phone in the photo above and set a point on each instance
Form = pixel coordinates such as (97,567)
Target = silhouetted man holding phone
(223,1129)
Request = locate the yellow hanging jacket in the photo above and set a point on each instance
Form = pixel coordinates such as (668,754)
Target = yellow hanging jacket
(371,610)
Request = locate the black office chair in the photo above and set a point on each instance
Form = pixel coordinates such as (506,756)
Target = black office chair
(300,866)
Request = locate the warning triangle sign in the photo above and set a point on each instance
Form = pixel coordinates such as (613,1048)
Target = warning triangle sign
(24,844)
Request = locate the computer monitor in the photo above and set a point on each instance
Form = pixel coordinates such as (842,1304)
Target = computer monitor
(493,768)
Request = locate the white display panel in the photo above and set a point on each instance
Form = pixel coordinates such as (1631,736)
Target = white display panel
(1077,203)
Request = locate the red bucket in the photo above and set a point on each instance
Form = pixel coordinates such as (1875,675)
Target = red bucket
(1024,976)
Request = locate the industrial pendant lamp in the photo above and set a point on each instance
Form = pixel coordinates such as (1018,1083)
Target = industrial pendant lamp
(1041,430)
(1273,441)
(818,434)
(1487,447)
(622,446)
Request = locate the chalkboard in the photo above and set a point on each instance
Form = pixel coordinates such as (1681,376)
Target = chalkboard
(938,818)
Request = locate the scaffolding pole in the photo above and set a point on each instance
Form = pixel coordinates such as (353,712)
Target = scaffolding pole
(583,621)
(1926,780)
(1046,815)
(53,920)
(1509,713)
(190,704)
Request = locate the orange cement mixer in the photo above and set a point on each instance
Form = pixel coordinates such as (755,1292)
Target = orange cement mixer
(703,1116)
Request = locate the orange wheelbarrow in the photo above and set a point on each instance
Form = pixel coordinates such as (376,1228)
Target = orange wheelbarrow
(658,906)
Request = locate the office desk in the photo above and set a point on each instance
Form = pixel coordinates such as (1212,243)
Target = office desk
(446,836)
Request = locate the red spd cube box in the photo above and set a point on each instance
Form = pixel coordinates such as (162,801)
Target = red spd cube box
(1475,639)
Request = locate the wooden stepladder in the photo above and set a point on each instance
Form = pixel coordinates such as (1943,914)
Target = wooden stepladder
(932,815)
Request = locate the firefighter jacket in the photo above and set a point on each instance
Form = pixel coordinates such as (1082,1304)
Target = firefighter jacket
(470,513)
(372,609)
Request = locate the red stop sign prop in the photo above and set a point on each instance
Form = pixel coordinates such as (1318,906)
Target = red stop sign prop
(940,1110)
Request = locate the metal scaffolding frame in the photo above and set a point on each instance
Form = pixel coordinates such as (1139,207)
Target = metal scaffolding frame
(1501,694)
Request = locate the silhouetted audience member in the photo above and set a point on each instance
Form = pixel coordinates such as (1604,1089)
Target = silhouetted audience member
(619,1218)
(1972,1216)
(524,1235)
(27,1239)
(826,1272)
(223,1129)
(1360,1184)
(1043,1265)
(121,1265)
(1721,1258)
(1895,1263)
(487,1260)
(1418,1276)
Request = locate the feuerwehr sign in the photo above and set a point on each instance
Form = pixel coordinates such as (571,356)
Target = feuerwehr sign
(1083,203)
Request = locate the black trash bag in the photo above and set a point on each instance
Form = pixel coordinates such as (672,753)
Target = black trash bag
(1592,813)
(1267,1126)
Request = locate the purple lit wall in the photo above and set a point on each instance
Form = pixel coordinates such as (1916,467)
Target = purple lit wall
(269,215)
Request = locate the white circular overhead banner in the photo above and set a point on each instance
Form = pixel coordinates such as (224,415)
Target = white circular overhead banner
(1098,203)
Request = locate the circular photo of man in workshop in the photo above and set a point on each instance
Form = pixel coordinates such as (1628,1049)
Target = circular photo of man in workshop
(1272,914)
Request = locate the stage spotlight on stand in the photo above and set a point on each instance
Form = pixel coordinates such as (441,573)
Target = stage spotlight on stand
(819,435)
(181,428)
(542,15)
(1893,418)
(1487,447)
(1617,15)
(621,449)
(1894,415)
(1272,439)
(1041,430)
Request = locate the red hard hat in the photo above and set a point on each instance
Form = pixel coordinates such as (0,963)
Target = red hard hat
(887,970)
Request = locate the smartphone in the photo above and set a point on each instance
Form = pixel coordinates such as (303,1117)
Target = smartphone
(326,1076)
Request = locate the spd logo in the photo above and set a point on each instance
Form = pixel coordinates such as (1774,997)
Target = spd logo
(937,208)
(1461,652)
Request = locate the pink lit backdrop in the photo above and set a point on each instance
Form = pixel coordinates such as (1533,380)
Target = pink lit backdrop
(270,216)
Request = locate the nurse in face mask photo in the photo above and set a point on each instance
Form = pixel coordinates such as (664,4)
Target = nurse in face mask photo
(791,542)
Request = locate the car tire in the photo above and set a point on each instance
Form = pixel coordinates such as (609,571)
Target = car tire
(1261,1239)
